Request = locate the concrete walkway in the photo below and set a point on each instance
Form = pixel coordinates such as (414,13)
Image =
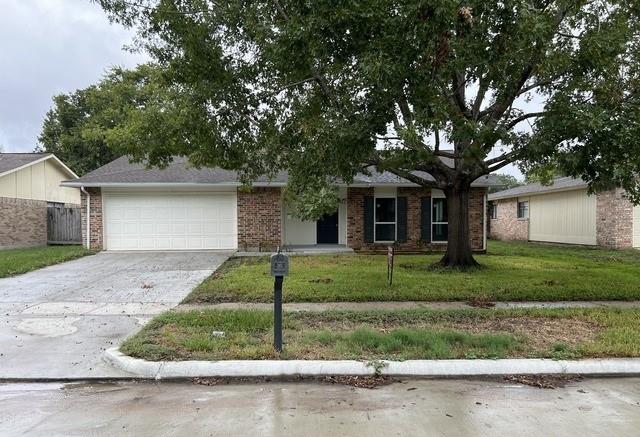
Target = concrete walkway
(57,322)
(391,306)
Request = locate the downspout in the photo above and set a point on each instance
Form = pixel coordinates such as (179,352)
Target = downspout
(86,193)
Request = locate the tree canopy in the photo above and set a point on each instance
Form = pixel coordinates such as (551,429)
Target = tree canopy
(323,89)
(78,125)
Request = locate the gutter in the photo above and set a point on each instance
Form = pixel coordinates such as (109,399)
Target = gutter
(86,193)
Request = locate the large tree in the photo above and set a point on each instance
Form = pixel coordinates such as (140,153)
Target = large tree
(77,125)
(456,89)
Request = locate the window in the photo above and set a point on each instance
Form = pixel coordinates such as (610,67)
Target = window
(439,220)
(523,210)
(493,211)
(385,226)
(55,205)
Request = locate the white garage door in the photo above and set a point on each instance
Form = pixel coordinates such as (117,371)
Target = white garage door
(170,221)
(567,217)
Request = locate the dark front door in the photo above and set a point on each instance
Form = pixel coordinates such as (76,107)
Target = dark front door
(327,229)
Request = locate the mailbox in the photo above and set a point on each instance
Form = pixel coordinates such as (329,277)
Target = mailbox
(279,264)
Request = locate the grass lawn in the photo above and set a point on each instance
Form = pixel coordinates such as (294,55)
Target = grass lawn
(398,335)
(511,271)
(16,261)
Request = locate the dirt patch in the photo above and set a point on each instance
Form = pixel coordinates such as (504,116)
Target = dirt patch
(359,381)
(540,332)
(544,381)
(482,301)
(321,280)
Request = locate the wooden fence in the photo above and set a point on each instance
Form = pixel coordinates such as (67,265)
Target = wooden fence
(63,225)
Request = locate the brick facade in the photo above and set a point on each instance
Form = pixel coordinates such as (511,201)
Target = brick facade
(355,220)
(507,225)
(614,220)
(23,223)
(95,218)
(259,219)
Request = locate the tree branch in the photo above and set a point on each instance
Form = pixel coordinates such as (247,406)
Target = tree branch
(524,117)
(291,85)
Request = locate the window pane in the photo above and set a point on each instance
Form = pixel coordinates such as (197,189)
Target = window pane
(385,210)
(385,232)
(440,232)
(440,210)
(523,209)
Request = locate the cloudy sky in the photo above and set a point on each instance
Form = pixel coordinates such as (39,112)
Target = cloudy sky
(51,47)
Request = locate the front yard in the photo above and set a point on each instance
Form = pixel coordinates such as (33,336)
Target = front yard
(395,335)
(512,272)
(16,261)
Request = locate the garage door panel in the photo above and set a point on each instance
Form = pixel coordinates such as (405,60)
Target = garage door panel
(566,217)
(170,221)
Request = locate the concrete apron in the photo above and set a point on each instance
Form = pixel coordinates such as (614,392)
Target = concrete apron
(417,368)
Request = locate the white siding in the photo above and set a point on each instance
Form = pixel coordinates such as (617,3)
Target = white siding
(170,221)
(566,217)
(636,226)
(298,232)
(39,181)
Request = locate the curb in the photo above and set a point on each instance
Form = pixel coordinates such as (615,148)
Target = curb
(426,368)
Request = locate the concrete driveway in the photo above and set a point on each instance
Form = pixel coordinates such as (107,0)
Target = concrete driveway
(57,321)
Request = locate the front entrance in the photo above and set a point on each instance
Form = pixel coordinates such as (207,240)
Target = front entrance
(327,229)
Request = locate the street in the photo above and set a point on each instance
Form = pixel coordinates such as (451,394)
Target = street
(591,407)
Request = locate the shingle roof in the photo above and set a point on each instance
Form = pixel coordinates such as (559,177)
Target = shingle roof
(560,184)
(11,161)
(123,172)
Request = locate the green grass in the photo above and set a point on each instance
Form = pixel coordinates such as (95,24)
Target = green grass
(511,271)
(16,261)
(398,335)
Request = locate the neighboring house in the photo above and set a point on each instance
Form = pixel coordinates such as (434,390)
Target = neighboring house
(180,207)
(565,213)
(28,183)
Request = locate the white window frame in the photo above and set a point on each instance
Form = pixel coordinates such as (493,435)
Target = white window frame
(376,222)
(433,222)
(493,210)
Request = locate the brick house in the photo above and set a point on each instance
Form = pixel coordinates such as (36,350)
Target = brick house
(130,207)
(565,212)
(29,183)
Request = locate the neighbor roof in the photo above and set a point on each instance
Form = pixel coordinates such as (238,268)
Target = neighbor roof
(10,162)
(122,172)
(560,184)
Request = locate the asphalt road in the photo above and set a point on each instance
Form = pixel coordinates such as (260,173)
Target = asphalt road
(592,407)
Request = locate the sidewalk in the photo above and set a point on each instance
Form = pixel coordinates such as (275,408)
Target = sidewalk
(394,306)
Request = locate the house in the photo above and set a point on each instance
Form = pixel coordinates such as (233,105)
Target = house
(564,212)
(131,207)
(29,182)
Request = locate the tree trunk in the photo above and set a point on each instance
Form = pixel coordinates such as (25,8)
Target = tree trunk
(458,254)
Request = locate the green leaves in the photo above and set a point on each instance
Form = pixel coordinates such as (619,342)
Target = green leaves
(265,86)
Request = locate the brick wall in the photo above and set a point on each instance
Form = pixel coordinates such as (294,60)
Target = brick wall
(259,219)
(614,220)
(95,218)
(355,219)
(508,226)
(23,223)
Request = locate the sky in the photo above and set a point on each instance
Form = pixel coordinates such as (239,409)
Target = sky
(51,47)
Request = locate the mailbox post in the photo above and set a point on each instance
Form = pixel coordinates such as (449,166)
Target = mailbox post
(279,269)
